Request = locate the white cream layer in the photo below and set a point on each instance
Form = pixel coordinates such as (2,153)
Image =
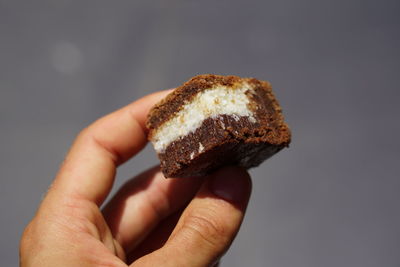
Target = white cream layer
(212,103)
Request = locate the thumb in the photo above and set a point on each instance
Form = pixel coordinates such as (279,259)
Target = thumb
(209,223)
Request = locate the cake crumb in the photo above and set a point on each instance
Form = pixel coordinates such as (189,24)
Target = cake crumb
(201,147)
(221,122)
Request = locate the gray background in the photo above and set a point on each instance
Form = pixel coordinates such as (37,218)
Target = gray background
(332,199)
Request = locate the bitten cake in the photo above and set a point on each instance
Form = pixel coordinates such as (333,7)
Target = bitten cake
(212,120)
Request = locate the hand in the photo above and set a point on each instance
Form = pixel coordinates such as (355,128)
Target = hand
(151,221)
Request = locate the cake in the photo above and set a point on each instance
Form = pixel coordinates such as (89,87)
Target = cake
(213,121)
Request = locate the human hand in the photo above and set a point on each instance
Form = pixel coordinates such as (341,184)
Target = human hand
(151,221)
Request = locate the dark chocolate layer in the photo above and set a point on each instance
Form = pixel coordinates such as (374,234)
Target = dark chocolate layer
(226,141)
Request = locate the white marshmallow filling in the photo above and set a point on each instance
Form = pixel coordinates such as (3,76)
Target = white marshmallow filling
(210,103)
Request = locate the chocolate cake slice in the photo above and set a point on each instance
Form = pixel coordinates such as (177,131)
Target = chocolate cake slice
(212,120)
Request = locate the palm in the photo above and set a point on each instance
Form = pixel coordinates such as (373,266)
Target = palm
(96,239)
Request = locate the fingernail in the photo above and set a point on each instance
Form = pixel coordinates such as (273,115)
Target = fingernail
(231,183)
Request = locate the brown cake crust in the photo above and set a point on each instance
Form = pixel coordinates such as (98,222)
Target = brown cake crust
(224,140)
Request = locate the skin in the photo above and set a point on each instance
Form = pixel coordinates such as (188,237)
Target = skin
(151,221)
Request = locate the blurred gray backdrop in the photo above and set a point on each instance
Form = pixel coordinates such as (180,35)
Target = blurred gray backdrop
(331,199)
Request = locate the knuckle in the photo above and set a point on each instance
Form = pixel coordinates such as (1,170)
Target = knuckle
(208,229)
(84,132)
(27,237)
(23,244)
(83,136)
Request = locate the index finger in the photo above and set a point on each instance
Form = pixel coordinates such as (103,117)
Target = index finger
(89,169)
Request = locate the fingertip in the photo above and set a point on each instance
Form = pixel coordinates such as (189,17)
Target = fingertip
(140,108)
(232,184)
